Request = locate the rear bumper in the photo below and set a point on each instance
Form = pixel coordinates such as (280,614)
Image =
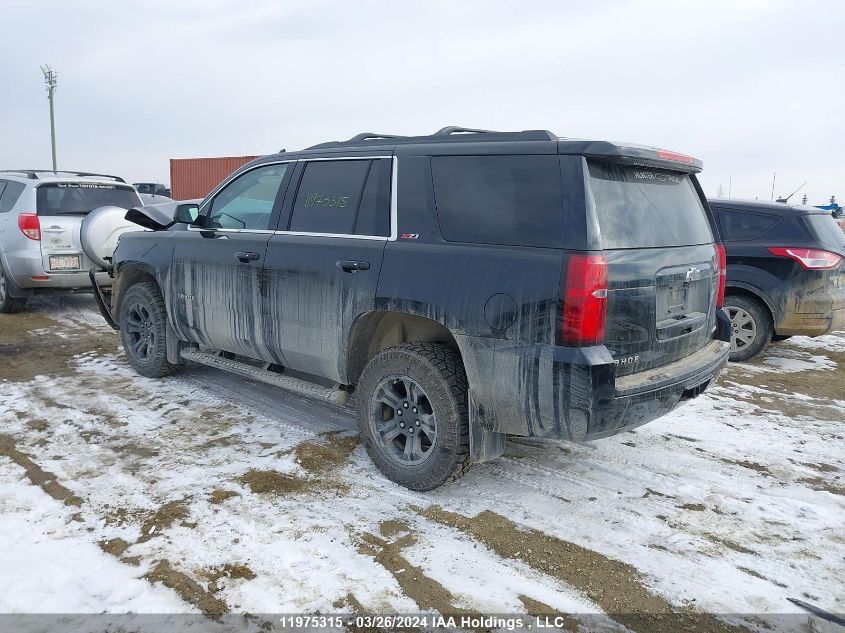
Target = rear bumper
(648,395)
(23,265)
(573,393)
(812,313)
(811,324)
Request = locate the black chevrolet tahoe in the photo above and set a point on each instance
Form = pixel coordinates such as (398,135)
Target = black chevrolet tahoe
(459,288)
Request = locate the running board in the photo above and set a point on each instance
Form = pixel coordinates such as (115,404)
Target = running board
(289,383)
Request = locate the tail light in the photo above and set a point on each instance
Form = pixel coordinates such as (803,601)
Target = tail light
(722,259)
(585,300)
(809,258)
(30,226)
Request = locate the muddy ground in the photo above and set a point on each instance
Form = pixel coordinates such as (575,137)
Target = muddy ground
(233,497)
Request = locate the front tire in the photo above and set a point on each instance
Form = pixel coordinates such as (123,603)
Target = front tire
(143,330)
(412,415)
(751,327)
(8,304)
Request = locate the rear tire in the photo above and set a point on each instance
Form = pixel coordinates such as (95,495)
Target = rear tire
(9,304)
(143,329)
(413,417)
(751,326)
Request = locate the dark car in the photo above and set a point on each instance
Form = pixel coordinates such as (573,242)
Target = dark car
(463,287)
(785,272)
(152,188)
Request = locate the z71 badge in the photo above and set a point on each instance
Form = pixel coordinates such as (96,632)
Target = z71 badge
(410,236)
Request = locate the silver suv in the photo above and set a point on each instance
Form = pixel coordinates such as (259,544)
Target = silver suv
(41,242)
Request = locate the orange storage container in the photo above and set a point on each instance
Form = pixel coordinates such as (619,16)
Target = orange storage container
(196,177)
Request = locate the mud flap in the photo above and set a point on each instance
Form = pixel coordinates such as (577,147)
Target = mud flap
(484,444)
(174,346)
(723,325)
(15,291)
(99,297)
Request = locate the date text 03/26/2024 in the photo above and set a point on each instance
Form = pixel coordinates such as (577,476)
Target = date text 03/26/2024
(399,621)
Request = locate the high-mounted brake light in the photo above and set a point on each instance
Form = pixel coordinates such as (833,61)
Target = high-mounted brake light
(665,154)
(585,300)
(30,226)
(809,258)
(722,262)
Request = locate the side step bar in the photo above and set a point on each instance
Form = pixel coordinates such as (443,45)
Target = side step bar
(245,370)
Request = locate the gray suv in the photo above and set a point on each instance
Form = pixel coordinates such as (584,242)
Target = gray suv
(41,219)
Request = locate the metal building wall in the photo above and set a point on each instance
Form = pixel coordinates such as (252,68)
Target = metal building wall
(196,177)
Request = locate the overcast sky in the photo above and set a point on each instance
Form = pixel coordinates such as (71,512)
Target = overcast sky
(750,87)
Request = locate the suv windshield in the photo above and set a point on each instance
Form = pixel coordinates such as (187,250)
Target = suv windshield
(825,229)
(80,198)
(642,207)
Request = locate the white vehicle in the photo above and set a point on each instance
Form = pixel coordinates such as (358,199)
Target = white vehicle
(43,246)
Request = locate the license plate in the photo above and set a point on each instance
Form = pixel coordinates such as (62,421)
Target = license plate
(676,299)
(64,262)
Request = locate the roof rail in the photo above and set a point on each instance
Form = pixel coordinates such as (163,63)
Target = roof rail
(32,174)
(366,136)
(26,172)
(449,134)
(455,129)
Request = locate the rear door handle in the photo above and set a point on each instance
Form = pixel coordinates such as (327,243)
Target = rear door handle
(351,266)
(247,256)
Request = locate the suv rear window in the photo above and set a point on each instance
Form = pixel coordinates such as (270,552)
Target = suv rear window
(825,229)
(80,198)
(642,207)
(510,200)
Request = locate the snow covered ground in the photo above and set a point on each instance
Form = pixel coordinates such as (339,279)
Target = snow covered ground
(204,493)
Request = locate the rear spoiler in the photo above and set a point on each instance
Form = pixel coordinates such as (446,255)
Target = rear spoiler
(631,154)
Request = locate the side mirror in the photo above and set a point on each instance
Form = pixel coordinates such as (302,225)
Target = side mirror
(187,213)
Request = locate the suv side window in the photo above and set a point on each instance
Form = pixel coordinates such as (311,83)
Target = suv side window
(511,200)
(740,225)
(247,202)
(343,197)
(9,193)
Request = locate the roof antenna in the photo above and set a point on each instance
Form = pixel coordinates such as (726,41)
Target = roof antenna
(785,200)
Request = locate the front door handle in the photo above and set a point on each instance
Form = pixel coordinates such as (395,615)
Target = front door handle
(351,266)
(247,256)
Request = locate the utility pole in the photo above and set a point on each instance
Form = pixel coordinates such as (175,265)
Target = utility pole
(774,176)
(50,80)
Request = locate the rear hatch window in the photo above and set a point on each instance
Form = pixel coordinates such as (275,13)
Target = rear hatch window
(80,198)
(825,229)
(642,207)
